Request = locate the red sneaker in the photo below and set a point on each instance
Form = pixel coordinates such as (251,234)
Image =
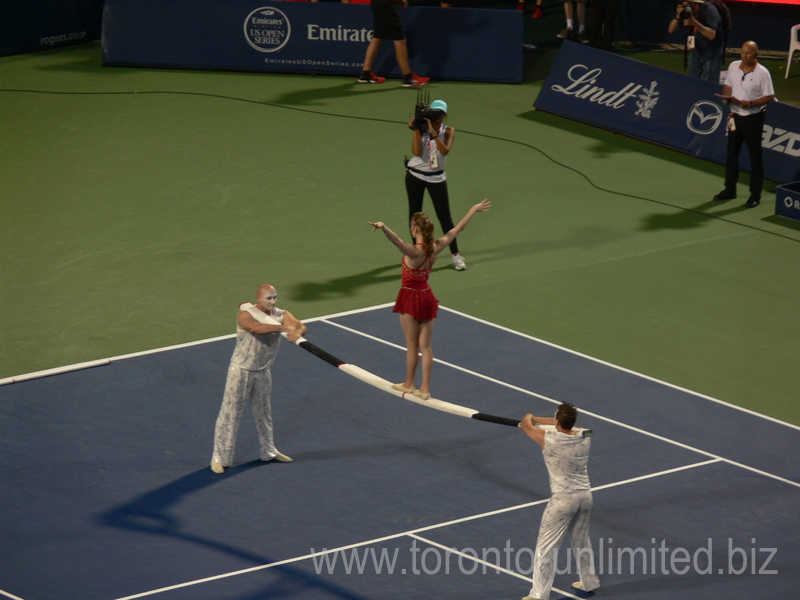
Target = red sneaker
(414,80)
(370,77)
(537,13)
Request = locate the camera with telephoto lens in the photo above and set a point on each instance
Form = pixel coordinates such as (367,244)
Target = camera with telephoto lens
(685,13)
(423,111)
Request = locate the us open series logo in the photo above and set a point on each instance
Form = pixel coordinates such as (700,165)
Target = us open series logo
(267,29)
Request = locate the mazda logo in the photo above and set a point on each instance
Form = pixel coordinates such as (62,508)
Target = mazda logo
(704,117)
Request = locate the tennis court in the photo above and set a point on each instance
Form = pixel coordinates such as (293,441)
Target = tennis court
(386,498)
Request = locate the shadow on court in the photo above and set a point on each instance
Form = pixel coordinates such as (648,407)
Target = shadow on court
(690,218)
(319,96)
(583,238)
(343,287)
(150,514)
(350,285)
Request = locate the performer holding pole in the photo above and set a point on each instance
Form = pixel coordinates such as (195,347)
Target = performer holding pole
(566,455)
(250,376)
(416,303)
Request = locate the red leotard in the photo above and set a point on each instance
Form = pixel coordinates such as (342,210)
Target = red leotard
(415,297)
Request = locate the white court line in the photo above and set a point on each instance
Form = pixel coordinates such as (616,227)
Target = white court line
(623,369)
(105,361)
(585,412)
(325,319)
(410,533)
(486,563)
(8,595)
(475,559)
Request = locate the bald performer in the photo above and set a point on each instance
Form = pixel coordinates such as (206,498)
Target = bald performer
(250,378)
(747,89)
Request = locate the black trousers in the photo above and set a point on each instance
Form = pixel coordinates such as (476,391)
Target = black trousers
(602,17)
(441,203)
(749,130)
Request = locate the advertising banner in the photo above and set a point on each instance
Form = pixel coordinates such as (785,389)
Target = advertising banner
(46,24)
(787,201)
(305,37)
(661,106)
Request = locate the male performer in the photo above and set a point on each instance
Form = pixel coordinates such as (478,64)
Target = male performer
(748,89)
(566,455)
(249,377)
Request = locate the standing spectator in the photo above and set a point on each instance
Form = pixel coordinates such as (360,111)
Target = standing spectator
(748,89)
(569,31)
(537,11)
(388,25)
(601,24)
(704,37)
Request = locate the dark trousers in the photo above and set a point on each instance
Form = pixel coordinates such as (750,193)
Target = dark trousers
(749,130)
(441,203)
(602,17)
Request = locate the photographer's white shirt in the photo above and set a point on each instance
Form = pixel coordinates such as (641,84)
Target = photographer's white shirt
(423,161)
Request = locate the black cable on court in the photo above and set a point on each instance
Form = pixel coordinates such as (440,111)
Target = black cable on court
(394,122)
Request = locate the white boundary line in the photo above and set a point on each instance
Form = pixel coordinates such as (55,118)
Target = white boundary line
(486,563)
(410,533)
(585,412)
(623,369)
(475,559)
(325,318)
(105,361)
(9,595)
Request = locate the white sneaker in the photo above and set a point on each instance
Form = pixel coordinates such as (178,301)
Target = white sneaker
(458,262)
(217,467)
(579,586)
(280,457)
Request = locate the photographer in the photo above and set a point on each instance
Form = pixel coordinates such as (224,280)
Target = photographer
(704,38)
(431,142)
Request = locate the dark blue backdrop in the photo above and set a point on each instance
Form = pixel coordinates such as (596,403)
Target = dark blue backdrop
(330,38)
(41,25)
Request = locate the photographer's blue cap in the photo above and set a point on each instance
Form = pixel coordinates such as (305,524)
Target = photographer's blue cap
(439,105)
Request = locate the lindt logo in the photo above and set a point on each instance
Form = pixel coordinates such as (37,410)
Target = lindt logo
(583,86)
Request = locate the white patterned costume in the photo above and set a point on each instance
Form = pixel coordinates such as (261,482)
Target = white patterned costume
(566,457)
(249,377)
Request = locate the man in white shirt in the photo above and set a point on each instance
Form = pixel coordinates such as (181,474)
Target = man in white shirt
(748,89)
(566,455)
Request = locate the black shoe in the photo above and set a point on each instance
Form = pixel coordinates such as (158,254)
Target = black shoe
(753,201)
(726,194)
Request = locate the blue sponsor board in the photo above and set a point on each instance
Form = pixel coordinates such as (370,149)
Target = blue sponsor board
(304,37)
(787,201)
(661,106)
(46,24)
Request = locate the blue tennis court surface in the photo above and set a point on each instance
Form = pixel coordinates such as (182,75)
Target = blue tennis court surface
(106,492)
